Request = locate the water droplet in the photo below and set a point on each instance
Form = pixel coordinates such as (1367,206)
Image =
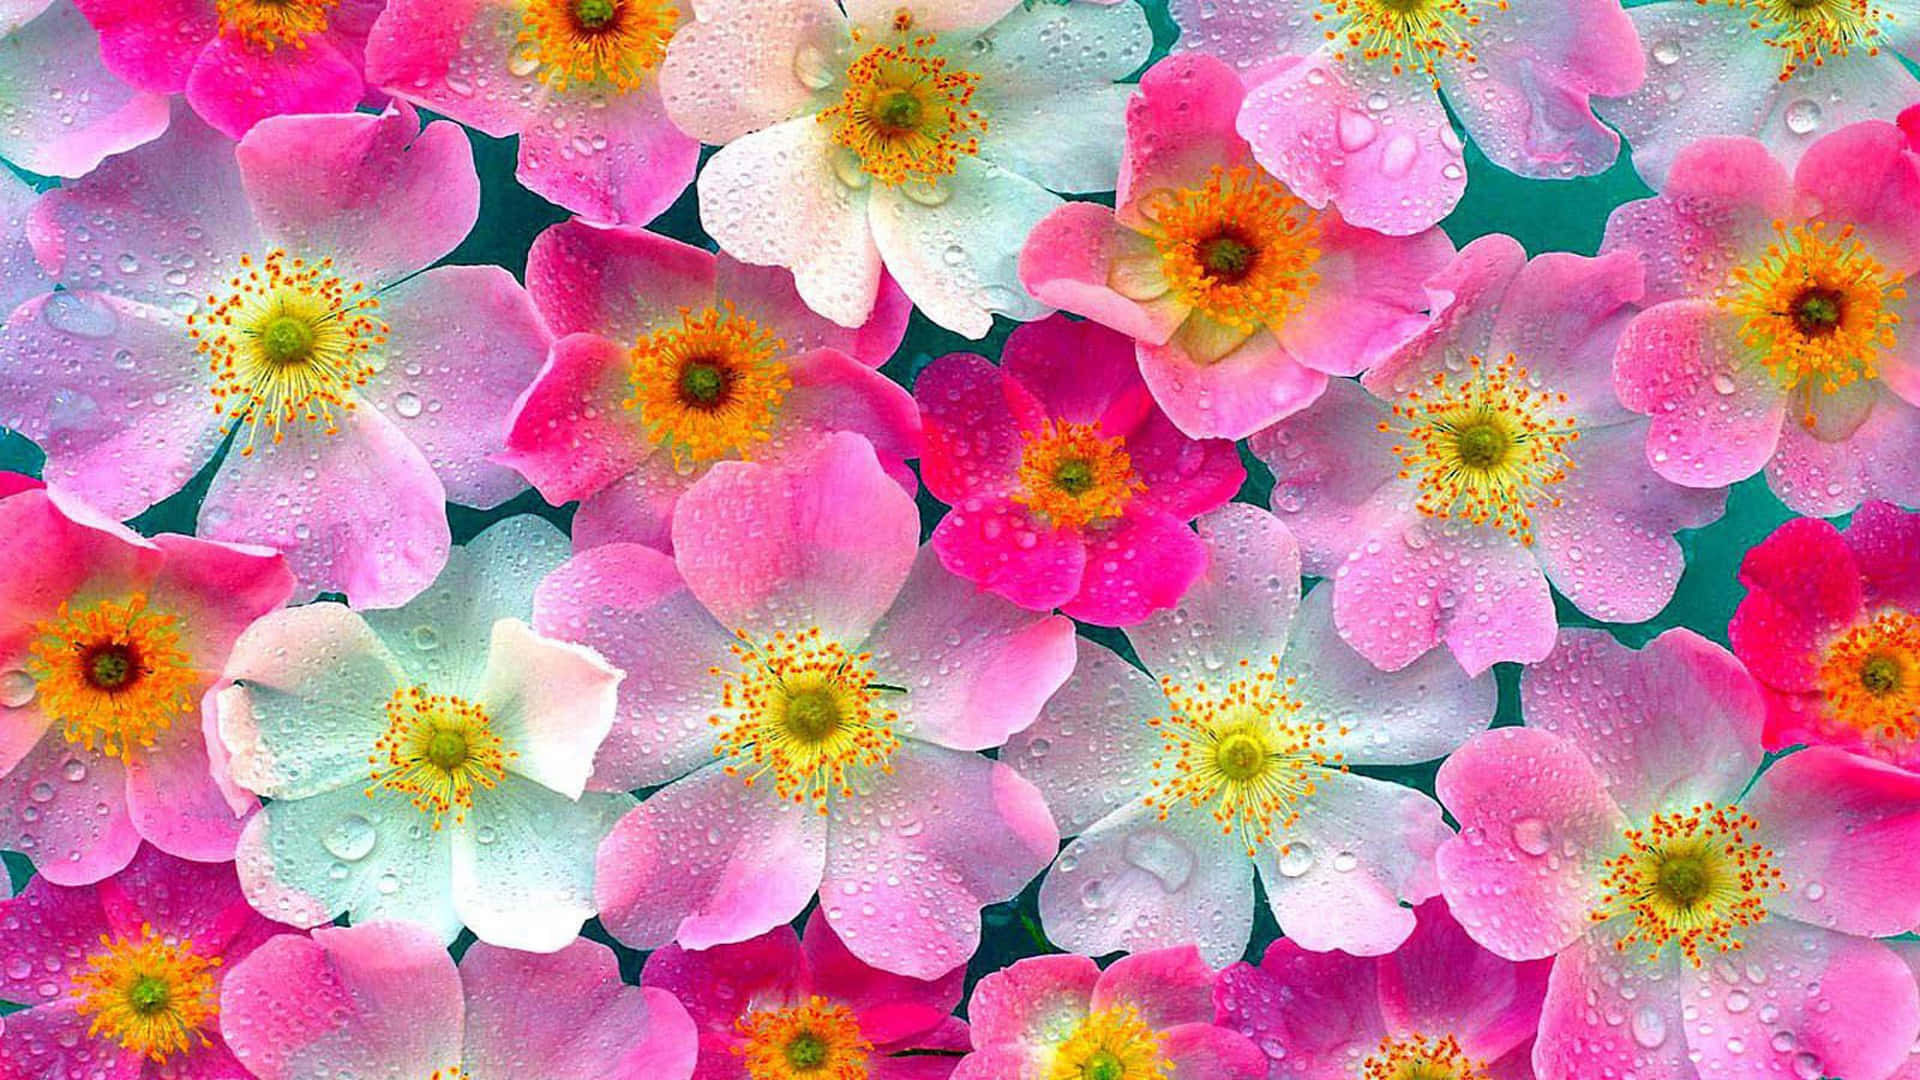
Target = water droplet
(16,689)
(388,884)
(1531,836)
(1160,854)
(407,404)
(426,638)
(1666,53)
(41,792)
(350,838)
(1295,860)
(1356,131)
(1649,1027)
(74,770)
(1802,116)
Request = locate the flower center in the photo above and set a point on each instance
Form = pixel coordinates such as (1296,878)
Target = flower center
(269,24)
(1244,751)
(1692,878)
(612,43)
(1486,449)
(1871,676)
(1417,1057)
(1412,35)
(1072,476)
(1238,248)
(805,710)
(1112,1044)
(288,342)
(1817,311)
(905,114)
(111,674)
(152,996)
(1810,31)
(709,388)
(437,749)
(819,1040)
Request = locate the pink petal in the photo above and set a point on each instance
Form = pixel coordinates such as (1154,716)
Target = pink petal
(569,434)
(53,1041)
(1561,316)
(1179,126)
(833,391)
(997,544)
(766,295)
(197,900)
(1070,260)
(1441,981)
(1867,174)
(152,43)
(1090,749)
(1370,299)
(1240,609)
(46,920)
(1140,564)
(759,42)
(1201,1051)
(1721,195)
(1023,1006)
(972,416)
(1318,1011)
(718,984)
(948,15)
(1256,384)
(174,801)
(66,112)
(636,508)
(1840,828)
(1465,299)
(893,1009)
(21,276)
(1078,372)
(1886,542)
(1803,584)
(234,85)
(611,158)
(1334,480)
(50,811)
(621,282)
(436,52)
(1716,418)
(1825,479)
(568,1012)
(1168,987)
(1184,477)
(1613,1010)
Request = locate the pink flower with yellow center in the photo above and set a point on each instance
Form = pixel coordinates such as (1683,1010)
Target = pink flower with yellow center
(65,110)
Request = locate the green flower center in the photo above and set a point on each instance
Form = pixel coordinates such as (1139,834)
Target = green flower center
(149,994)
(1227,256)
(1685,879)
(813,714)
(1880,675)
(1103,1065)
(447,749)
(1482,445)
(807,1051)
(110,667)
(898,111)
(702,384)
(591,15)
(287,339)
(1817,312)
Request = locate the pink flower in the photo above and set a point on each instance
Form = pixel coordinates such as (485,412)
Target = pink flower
(108,640)
(810,688)
(671,358)
(385,999)
(1779,330)
(1702,923)
(1149,1014)
(576,80)
(1483,460)
(1350,98)
(123,979)
(1244,300)
(1831,628)
(929,138)
(240,61)
(1439,1001)
(780,1001)
(65,111)
(1229,759)
(276,293)
(21,276)
(1069,487)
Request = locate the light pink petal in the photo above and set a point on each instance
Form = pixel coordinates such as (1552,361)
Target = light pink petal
(568,1013)
(620,283)
(21,275)
(569,434)
(65,807)
(1610,1010)
(1027,1005)
(1716,417)
(1168,987)
(893,1009)
(1370,299)
(717,984)
(1256,383)
(436,53)
(1841,828)
(1179,126)
(1721,195)
(1334,478)
(1561,317)
(609,157)
(152,43)
(1072,259)
(1466,301)
(1240,609)
(997,543)
(762,44)
(833,391)
(1246,33)
(973,416)
(766,295)
(636,508)
(1441,981)
(523,863)
(1875,461)
(234,85)
(174,801)
(1201,1051)
(551,704)
(65,112)
(46,920)
(1091,747)
(945,15)
(1140,564)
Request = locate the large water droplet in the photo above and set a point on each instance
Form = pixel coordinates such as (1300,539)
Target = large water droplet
(1649,1027)
(16,689)
(350,838)
(1158,853)
(1530,835)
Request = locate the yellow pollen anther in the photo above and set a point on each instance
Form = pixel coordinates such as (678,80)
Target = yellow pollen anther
(269,24)
(1239,248)
(594,42)
(1694,879)
(1071,476)
(709,388)
(1112,1044)
(111,674)
(1417,1057)
(288,342)
(1810,31)
(1412,35)
(1871,676)
(153,996)
(1244,749)
(437,749)
(905,114)
(1485,449)
(817,1040)
(805,710)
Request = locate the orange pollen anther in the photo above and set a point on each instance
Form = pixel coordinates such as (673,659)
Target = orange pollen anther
(269,24)
(153,996)
(1417,1057)
(905,114)
(111,674)
(437,749)
(709,388)
(1239,248)
(817,1040)
(613,43)
(1871,676)
(1072,476)
(1690,878)
(1411,35)
(1810,31)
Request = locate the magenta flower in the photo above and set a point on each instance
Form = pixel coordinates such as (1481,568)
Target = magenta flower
(1069,487)
(1702,923)
(65,111)
(240,61)
(670,359)
(576,80)
(1244,300)
(810,688)
(276,294)
(1150,1015)
(1438,1006)
(1483,460)
(123,979)
(1235,764)
(1350,98)
(1831,629)
(108,640)
(385,999)
(1779,331)
(783,1005)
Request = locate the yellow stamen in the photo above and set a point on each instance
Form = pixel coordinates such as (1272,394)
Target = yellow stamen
(1417,1057)
(1871,676)
(151,995)
(437,749)
(905,114)
(1412,35)
(710,387)
(819,1040)
(1690,878)
(269,24)
(111,674)
(1112,1044)
(1810,31)
(1238,248)
(1072,476)
(610,42)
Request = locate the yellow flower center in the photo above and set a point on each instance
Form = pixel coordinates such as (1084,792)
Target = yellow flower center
(819,1040)
(1238,248)
(1112,1044)
(1871,676)
(153,996)
(1690,878)
(287,343)
(1071,475)
(1412,35)
(437,749)
(1810,31)
(610,42)
(1417,1057)
(805,710)
(1486,449)
(905,114)
(1243,750)
(710,387)
(111,674)
(269,24)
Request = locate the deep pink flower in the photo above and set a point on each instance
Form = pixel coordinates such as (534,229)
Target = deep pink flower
(1483,460)
(65,111)
(1060,1016)
(751,1000)
(810,687)
(385,999)
(1243,299)
(1779,332)
(1438,1001)
(240,61)
(277,291)
(108,640)
(1069,487)
(1702,923)
(1831,628)
(86,960)
(620,417)
(1350,98)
